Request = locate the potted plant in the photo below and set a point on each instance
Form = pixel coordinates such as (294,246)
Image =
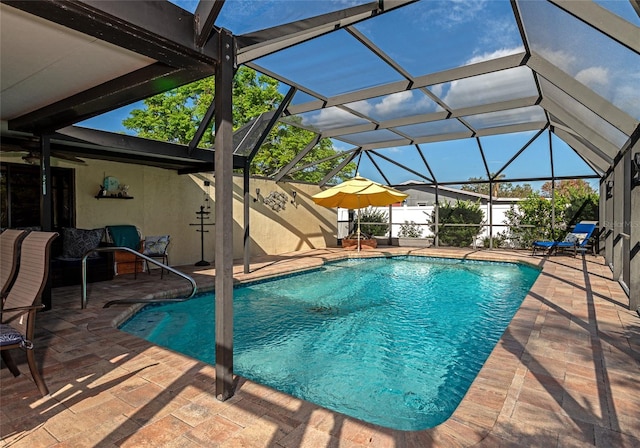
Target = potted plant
(374,223)
(410,234)
(366,241)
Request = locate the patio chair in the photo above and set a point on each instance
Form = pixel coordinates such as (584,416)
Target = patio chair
(18,312)
(575,240)
(156,247)
(126,236)
(10,241)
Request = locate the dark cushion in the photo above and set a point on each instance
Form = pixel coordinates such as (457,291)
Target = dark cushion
(76,242)
(9,335)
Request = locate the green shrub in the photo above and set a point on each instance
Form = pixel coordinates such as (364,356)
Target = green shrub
(498,241)
(462,212)
(531,220)
(410,230)
(369,219)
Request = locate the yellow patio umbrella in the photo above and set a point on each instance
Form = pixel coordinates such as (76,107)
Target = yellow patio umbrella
(357,193)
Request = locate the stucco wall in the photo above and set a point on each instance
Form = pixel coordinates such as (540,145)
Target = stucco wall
(166,203)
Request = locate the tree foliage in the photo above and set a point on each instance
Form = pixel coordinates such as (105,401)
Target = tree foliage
(582,199)
(373,222)
(460,212)
(571,187)
(500,189)
(174,116)
(533,218)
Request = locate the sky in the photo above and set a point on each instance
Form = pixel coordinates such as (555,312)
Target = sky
(427,37)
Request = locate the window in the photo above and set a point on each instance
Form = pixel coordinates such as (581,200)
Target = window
(20,196)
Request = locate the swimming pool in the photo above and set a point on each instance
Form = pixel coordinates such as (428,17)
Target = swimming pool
(391,341)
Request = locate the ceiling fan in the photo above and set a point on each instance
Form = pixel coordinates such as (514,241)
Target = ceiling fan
(29,151)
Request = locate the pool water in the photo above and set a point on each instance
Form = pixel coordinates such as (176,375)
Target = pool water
(392,341)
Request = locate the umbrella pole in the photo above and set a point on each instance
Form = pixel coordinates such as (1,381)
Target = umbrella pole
(358,229)
(358,223)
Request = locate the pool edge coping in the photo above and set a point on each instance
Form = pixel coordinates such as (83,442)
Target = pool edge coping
(473,427)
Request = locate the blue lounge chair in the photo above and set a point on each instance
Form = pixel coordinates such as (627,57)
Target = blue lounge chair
(577,239)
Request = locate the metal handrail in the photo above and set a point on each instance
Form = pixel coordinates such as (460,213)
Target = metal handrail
(83,304)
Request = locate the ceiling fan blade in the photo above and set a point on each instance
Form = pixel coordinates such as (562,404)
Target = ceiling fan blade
(68,157)
(13,150)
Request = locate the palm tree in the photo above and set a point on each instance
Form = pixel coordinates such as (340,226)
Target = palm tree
(496,185)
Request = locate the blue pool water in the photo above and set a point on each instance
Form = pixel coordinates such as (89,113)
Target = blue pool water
(392,341)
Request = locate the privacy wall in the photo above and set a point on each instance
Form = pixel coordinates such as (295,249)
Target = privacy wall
(165,202)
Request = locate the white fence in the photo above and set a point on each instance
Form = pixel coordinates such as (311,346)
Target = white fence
(421,215)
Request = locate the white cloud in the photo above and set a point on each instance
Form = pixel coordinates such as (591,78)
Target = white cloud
(593,75)
(438,90)
(627,97)
(499,32)
(364,106)
(402,104)
(455,12)
(392,103)
(392,149)
(491,87)
(495,54)
(329,118)
(563,60)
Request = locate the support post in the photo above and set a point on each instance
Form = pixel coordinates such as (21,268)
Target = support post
(46,204)
(224,216)
(634,232)
(553,209)
(490,214)
(602,216)
(246,208)
(436,239)
(390,241)
(618,219)
(626,220)
(609,222)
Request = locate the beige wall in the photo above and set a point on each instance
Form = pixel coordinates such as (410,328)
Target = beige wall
(166,203)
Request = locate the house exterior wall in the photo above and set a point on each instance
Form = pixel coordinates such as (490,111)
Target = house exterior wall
(165,202)
(425,195)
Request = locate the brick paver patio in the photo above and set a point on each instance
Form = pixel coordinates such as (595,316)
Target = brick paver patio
(564,374)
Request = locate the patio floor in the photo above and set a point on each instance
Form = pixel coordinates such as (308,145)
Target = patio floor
(565,373)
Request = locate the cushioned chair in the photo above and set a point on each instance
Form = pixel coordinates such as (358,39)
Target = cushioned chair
(156,247)
(126,236)
(18,312)
(10,241)
(577,239)
(67,253)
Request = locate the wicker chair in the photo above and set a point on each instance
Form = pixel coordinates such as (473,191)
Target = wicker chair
(18,312)
(10,241)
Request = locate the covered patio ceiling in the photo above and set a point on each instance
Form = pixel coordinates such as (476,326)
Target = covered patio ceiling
(422,90)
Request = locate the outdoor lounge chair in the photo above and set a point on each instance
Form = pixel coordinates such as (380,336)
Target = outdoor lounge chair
(18,312)
(9,253)
(575,240)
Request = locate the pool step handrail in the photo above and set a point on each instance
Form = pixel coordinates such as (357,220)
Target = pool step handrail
(83,304)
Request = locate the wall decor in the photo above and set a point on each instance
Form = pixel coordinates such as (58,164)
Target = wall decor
(276,201)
